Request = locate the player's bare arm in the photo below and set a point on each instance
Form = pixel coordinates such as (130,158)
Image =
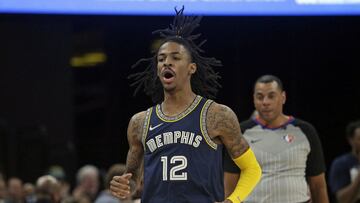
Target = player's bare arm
(223,126)
(136,150)
(123,186)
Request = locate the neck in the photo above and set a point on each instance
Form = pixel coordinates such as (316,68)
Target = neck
(277,122)
(175,103)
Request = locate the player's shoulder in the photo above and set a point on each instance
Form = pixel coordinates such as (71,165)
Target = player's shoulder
(139,118)
(220,108)
(135,127)
(139,115)
(221,115)
(221,120)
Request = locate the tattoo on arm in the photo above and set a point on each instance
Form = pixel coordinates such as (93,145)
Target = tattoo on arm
(136,151)
(223,123)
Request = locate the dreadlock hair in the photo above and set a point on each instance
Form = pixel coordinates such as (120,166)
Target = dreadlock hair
(204,81)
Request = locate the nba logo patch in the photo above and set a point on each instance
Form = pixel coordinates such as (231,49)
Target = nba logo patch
(289,138)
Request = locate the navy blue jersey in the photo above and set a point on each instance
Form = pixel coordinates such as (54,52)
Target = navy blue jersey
(181,162)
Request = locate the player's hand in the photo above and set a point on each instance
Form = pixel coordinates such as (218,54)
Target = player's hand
(120,186)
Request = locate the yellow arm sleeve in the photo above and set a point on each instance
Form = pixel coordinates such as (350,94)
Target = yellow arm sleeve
(249,177)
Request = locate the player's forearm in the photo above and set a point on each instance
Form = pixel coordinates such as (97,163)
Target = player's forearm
(134,181)
(135,154)
(133,165)
(249,177)
(230,181)
(134,171)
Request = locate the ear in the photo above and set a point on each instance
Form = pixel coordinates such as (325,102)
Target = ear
(283,94)
(193,68)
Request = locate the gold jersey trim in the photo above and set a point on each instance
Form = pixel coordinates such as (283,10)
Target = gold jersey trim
(203,127)
(146,126)
(178,117)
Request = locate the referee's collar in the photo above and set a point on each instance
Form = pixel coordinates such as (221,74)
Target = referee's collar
(264,126)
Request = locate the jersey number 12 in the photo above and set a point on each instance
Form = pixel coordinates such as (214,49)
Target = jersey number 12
(172,173)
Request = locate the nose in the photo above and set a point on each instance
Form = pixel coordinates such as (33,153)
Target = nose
(266,101)
(167,62)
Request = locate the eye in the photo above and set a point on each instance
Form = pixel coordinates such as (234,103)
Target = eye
(271,96)
(176,57)
(160,59)
(259,97)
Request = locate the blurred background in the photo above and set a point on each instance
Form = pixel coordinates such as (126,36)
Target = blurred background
(65,98)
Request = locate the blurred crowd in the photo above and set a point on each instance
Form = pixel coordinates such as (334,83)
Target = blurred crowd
(55,188)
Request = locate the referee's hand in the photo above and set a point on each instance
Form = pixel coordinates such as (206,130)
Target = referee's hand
(120,186)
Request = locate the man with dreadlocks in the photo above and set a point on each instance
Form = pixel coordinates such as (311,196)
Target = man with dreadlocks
(179,141)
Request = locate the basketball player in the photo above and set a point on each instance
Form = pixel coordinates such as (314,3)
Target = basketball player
(180,140)
(344,175)
(288,149)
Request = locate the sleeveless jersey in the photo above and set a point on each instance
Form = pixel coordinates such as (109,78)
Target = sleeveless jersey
(181,163)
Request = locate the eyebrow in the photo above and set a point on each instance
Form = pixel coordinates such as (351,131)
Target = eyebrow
(171,53)
(272,92)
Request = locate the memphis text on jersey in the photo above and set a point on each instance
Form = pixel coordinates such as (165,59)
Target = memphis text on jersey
(181,137)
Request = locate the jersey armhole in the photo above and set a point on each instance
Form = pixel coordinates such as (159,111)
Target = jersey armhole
(146,125)
(203,127)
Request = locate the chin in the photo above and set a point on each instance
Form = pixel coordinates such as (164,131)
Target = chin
(267,118)
(169,88)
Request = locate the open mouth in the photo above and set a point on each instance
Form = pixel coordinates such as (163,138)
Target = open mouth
(168,74)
